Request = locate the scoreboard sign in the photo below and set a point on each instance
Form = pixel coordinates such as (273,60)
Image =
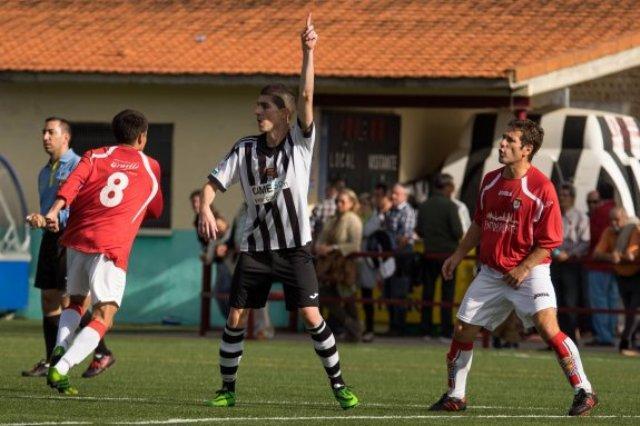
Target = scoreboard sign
(362,149)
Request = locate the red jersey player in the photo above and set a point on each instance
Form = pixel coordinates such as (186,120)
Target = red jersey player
(517,223)
(111,192)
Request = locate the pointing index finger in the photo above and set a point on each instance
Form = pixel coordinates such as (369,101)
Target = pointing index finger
(309,20)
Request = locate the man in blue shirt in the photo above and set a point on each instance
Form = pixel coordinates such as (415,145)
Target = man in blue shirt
(51,270)
(400,223)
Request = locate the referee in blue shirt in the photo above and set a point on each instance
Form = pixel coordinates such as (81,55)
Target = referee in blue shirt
(51,270)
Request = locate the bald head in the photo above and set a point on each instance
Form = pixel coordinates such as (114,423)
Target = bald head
(618,218)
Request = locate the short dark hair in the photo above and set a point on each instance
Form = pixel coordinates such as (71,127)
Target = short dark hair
(606,191)
(442,180)
(569,188)
(65,126)
(194,193)
(281,96)
(381,187)
(127,125)
(532,133)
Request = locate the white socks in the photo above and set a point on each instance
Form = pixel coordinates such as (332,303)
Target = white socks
(569,359)
(85,342)
(458,365)
(69,322)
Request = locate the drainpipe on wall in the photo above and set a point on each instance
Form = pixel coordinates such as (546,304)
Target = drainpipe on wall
(519,113)
(566,97)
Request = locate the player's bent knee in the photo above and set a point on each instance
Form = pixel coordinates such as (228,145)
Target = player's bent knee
(237,317)
(104,312)
(311,316)
(546,322)
(464,332)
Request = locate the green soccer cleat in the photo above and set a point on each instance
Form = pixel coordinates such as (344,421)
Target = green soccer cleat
(60,382)
(224,398)
(346,398)
(56,355)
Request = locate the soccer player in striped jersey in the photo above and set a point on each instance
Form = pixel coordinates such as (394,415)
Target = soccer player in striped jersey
(110,193)
(273,169)
(517,223)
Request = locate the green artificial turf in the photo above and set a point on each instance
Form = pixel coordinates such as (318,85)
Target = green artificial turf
(165,378)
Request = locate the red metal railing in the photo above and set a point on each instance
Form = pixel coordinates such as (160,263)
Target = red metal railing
(207,295)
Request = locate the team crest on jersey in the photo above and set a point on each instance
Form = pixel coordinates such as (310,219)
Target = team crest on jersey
(517,203)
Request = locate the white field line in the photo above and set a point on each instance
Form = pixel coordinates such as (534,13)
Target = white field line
(84,398)
(551,356)
(301,418)
(267,402)
(348,418)
(45,423)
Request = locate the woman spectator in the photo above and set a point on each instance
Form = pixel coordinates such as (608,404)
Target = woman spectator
(337,273)
(372,270)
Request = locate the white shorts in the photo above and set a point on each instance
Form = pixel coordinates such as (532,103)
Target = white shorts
(94,273)
(489,300)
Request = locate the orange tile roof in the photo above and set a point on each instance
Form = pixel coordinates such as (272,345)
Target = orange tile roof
(367,38)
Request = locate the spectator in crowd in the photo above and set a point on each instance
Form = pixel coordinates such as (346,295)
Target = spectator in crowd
(566,272)
(381,190)
(620,245)
(366,206)
(463,213)
(369,268)
(601,282)
(440,229)
(326,209)
(593,202)
(584,320)
(337,274)
(400,222)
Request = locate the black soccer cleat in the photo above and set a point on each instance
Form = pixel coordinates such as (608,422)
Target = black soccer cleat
(449,403)
(39,370)
(583,403)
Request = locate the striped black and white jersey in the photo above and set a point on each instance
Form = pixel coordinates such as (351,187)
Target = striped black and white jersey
(275,183)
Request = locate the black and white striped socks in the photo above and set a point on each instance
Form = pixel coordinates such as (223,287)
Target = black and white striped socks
(231,348)
(325,346)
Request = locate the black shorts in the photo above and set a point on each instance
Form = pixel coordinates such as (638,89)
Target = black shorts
(51,273)
(256,271)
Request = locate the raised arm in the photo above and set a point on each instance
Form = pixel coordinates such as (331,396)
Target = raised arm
(305,97)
